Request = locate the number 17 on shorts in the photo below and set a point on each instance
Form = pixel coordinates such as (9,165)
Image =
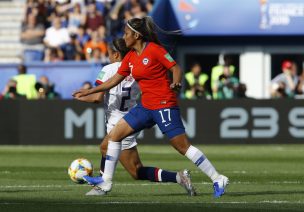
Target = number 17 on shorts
(168,120)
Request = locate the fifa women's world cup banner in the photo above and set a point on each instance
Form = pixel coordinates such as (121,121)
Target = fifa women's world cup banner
(206,122)
(237,17)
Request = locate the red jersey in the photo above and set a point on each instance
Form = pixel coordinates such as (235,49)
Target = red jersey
(149,69)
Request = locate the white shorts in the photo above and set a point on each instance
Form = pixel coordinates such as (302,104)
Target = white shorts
(126,143)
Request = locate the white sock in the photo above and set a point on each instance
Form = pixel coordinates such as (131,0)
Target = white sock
(113,152)
(178,179)
(201,161)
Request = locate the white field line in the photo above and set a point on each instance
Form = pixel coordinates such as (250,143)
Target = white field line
(248,172)
(76,185)
(142,184)
(270,182)
(156,202)
(244,172)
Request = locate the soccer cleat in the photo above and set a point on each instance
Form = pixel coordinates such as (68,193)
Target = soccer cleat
(105,186)
(186,182)
(93,180)
(96,191)
(219,185)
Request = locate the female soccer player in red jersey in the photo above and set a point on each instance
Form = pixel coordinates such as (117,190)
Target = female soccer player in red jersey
(117,102)
(148,63)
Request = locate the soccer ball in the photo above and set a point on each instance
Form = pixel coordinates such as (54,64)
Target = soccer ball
(79,168)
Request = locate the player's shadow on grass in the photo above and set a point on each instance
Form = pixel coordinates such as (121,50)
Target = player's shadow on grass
(262,193)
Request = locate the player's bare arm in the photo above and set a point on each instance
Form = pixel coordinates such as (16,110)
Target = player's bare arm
(177,78)
(113,81)
(92,98)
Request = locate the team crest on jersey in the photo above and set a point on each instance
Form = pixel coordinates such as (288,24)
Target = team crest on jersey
(145,61)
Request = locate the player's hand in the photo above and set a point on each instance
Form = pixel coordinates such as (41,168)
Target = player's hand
(176,86)
(76,96)
(80,93)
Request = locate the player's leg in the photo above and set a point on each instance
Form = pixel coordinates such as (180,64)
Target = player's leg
(139,118)
(103,151)
(130,160)
(98,179)
(104,144)
(121,130)
(135,120)
(183,146)
(131,122)
(170,123)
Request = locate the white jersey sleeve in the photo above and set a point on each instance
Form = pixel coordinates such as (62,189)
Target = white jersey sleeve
(106,73)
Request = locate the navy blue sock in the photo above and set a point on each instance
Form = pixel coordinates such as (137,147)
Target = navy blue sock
(102,164)
(156,175)
(168,176)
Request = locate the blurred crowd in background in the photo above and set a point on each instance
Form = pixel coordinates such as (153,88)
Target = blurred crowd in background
(57,30)
(288,83)
(223,83)
(80,30)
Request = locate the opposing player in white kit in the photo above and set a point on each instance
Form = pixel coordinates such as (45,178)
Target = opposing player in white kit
(117,102)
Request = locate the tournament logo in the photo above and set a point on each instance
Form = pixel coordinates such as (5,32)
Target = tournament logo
(145,61)
(169,58)
(101,74)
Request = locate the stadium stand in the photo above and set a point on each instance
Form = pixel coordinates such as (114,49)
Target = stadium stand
(11,15)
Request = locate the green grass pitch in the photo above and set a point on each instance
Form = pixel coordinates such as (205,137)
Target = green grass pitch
(262,178)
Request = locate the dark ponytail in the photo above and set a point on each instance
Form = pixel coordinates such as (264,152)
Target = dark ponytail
(150,30)
(147,29)
(119,45)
